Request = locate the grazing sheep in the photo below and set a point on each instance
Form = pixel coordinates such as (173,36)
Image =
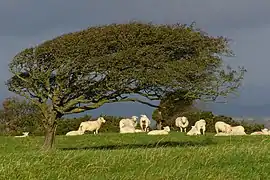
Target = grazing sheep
(200,125)
(74,133)
(238,130)
(193,131)
(223,127)
(92,125)
(144,122)
(182,123)
(24,134)
(131,122)
(165,131)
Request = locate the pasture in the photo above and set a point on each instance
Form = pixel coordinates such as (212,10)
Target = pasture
(136,156)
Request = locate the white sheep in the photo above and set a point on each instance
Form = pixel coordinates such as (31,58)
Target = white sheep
(144,122)
(193,131)
(74,133)
(182,123)
(165,131)
(132,122)
(201,124)
(92,125)
(223,127)
(222,134)
(264,131)
(238,130)
(138,130)
(127,129)
(24,134)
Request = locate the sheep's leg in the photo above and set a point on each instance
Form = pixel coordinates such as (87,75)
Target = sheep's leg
(203,128)
(181,129)
(96,131)
(185,129)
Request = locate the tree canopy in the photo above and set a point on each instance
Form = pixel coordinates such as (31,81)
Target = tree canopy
(83,70)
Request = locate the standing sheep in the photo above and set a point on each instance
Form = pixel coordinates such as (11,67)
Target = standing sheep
(201,124)
(132,122)
(144,122)
(223,127)
(92,125)
(182,123)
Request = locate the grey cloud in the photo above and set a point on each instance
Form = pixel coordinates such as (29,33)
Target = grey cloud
(32,17)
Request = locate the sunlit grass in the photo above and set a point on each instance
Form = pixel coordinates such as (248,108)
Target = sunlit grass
(136,156)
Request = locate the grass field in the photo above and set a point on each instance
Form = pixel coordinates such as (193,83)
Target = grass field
(136,156)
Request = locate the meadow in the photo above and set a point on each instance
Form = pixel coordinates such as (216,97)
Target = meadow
(115,156)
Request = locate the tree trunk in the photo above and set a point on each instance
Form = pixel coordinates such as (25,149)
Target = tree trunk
(50,125)
(49,136)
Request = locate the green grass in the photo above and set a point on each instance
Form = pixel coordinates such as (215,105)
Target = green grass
(136,156)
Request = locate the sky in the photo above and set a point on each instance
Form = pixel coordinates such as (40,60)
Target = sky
(31,22)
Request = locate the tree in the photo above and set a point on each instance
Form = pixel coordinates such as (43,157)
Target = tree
(19,115)
(84,70)
(172,105)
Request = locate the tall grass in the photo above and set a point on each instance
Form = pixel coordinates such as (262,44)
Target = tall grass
(136,156)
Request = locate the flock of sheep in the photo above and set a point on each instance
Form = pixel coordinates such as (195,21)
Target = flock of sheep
(128,125)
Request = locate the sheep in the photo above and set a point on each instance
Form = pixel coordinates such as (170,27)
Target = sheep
(138,130)
(264,131)
(200,125)
(193,131)
(24,134)
(144,122)
(74,133)
(182,123)
(92,125)
(222,134)
(132,122)
(165,131)
(238,130)
(223,127)
(127,129)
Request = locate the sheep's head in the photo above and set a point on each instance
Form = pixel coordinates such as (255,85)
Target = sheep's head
(134,118)
(167,128)
(101,119)
(143,115)
(184,119)
(25,133)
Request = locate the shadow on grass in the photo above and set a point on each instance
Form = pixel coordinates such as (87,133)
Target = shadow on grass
(151,145)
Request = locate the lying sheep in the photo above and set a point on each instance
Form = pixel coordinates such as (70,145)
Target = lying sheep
(238,130)
(138,130)
(223,127)
(74,133)
(222,134)
(201,124)
(92,125)
(165,131)
(25,134)
(182,123)
(193,131)
(131,122)
(144,122)
(264,131)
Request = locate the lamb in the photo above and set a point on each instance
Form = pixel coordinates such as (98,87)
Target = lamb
(193,131)
(223,127)
(128,122)
(144,122)
(165,131)
(238,130)
(74,133)
(182,123)
(200,125)
(24,134)
(92,125)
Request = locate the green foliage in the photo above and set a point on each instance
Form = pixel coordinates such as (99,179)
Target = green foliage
(100,64)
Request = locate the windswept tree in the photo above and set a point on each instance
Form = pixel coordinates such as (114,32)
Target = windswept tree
(84,70)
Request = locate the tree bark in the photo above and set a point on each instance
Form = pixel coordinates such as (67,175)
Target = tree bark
(49,137)
(50,125)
